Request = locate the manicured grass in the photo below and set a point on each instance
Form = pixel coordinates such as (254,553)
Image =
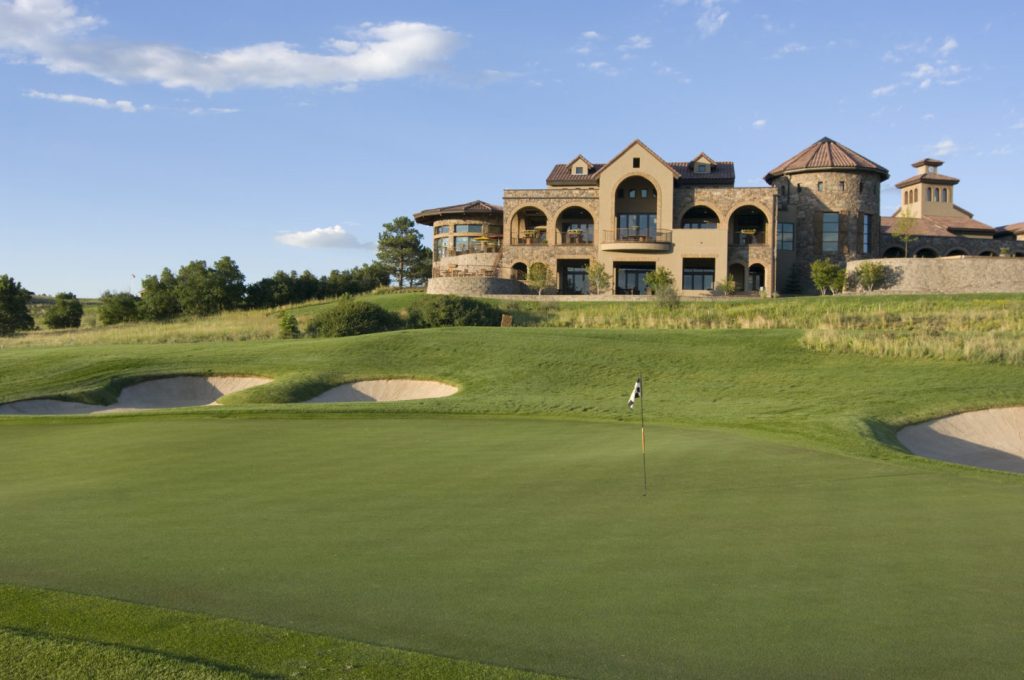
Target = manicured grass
(784,535)
(526,543)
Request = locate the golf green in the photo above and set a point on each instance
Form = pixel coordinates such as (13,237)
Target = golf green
(527,542)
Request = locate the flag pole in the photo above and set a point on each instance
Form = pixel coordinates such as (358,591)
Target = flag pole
(643,435)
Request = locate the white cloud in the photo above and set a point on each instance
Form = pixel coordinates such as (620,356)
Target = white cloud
(760,123)
(884,90)
(55,35)
(928,116)
(323,237)
(944,148)
(602,67)
(1002,151)
(200,111)
(636,42)
(122,105)
(1019,125)
(712,18)
(790,48)
(591,35)
(948,46)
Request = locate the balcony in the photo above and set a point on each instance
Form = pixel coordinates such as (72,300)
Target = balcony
(636,240)
(471,248)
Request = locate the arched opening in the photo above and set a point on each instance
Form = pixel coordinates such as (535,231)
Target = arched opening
(519,271)
(925,252)
(893,252)
(636,210)
(756,274)
(529,227)
(738,274)
(1019,253)
(575,225)
(986,253)
(747,226)
(699,217)
(955,252)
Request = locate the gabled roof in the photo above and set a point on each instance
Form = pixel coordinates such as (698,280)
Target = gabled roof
(826,154)
(930,177)
(637,142)
(703,155)
(583,158)
(477,209)
(939,226)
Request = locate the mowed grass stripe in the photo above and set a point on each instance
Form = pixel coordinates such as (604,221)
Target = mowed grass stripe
(526,543)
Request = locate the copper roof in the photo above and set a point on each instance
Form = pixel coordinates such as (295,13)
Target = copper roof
(938,226)
(826,154)
(477,209)
(933,177)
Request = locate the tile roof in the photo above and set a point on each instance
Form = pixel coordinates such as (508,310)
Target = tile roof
(1016,228)
(722,173)
(826,154)
(930,176)
(938,226)
(476,209)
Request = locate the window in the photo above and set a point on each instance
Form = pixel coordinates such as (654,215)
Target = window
(632,193)
(784,189)
(928,194)
(830,232)
(784,238)
(461,244)
(860,188)
(440,247)
(579,170)
(821,186)
(643,193)
(698,274)
(636,162)
(469,228)
(634,226)
(441,230)
(944,199)
(866,236)
(842,185)
(702,168)
(799,188)
(631,277)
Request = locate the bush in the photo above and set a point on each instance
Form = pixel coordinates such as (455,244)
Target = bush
(453,310)
(353,317)
(826,275)
(726,287)
(65,312)
(538,277)
(14,300)
(288,329)
(870,275)
(597,278)
(118,308)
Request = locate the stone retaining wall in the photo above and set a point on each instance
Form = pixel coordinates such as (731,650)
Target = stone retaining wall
(952,274)
(475,285)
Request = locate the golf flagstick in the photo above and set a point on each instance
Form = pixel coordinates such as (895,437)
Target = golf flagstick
(638,393)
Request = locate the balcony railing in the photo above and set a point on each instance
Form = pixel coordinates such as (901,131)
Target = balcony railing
(636,235)
(468,249)
(465,270)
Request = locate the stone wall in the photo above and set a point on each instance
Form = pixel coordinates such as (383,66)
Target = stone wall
(952,274)
(944,245)
(475,285)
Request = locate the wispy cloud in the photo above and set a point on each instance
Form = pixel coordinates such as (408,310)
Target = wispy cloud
(1019,125)
(323,237)
(948,46)
(591,35)
(711,18)
(760,123)
(1002,151)
(635,42)
(944,147)
(217,110)
(54,34)
(601,67)
(790,48)
(122,105)
(884,90)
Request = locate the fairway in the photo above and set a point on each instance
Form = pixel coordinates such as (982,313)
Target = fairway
(526,542)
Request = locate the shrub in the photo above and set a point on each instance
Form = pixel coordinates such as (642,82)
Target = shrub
(662,284)
(826,275)
(597,278)
(14,300)
(871,274)
(453,310)
(538,277)
(65,312)
(353,317)
(118,308)
(289,327)
(726,287)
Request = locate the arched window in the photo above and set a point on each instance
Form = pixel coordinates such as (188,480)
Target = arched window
(944,199)
(699,217)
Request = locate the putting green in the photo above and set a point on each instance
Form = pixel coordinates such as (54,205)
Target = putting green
(526,542)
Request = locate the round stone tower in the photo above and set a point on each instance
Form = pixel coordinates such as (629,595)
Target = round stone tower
(828,208)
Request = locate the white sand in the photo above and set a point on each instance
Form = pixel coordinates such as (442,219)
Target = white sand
(385,390)
(992,439)
(163,393)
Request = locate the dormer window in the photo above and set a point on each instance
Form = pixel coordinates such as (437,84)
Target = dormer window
(702,168)
(578,169)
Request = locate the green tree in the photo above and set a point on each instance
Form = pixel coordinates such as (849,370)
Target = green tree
(118,308)
(662,284)
(197,289)
(826,275)
(159,297)
(288,328)
(229,283)
(538,277)
(14,299)
(903,231)
(401,252)
(597,278)
(65,312)
(870,275)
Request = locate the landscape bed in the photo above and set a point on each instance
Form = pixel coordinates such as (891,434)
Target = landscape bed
(785,534)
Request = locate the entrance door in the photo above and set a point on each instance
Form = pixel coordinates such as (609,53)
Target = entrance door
(631,277)
(572,277)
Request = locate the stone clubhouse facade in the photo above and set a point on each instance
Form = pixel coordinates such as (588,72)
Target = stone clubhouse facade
(638,212)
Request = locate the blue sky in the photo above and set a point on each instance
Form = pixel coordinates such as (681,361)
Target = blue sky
(143,135)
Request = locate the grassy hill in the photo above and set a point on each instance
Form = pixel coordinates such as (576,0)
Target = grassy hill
(502,531)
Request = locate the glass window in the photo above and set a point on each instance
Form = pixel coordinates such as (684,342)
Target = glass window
(703,168)
(579,170)
(636,162)
(866,227)
(632,226)
(784,239)
(821,186)
(441,230)
(944,199)
(461,244)
(469,228)
(698,274)
(830,233)
(842,185)
(643,193)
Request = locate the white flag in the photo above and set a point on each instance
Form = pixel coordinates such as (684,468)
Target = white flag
(636,393)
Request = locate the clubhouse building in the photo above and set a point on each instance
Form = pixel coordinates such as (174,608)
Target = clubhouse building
(638,212)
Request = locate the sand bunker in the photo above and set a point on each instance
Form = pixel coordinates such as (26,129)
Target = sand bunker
(163,393)
(991,439)
(385,390)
